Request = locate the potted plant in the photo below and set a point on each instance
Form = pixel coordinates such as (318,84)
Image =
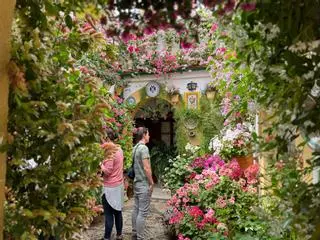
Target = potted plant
(234,142)
(174,94)
(211,90)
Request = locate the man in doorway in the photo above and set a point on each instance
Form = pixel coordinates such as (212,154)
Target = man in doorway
(143,183)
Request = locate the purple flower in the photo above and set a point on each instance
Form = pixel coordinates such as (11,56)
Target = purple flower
(239,126)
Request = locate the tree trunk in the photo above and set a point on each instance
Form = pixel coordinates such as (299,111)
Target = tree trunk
(6,15)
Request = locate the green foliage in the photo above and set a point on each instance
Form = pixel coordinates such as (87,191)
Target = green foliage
(177,171)
(160,156)
(282,210)
(59,107)
(275,67)
(181,114)
(211,122)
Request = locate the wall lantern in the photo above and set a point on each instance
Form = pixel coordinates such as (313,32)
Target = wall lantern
(191,86)
(312,97)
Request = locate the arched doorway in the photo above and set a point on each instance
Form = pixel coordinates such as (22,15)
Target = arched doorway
(156,114)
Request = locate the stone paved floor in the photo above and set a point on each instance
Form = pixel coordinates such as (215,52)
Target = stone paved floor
(155,228)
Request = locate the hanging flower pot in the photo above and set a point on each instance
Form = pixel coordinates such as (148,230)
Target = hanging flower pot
(175,98)
(210,94)
(244,161)
(174,94)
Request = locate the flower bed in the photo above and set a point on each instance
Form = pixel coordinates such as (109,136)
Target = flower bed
(216,201)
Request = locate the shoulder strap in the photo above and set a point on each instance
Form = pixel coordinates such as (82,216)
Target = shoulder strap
(134,153)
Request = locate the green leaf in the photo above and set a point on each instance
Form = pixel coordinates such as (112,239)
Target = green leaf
(69,21)
(51,10)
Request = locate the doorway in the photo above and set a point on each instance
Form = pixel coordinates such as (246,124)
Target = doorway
(157,116)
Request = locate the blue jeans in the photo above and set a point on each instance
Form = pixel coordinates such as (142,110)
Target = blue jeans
(110,215)
(142,198)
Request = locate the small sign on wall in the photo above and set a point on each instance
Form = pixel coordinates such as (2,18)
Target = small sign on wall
(192,99)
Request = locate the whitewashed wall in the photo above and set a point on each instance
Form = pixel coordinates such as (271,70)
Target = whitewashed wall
(179,80)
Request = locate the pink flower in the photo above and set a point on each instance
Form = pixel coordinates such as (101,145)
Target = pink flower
(186,45)
(252,189)
(221,203)
(131,49)
(195,189)
(111,120)
(231,170)
(119,100)
(226,122)
(148,31)
(84,69)
(198,177)
(182,192)
(221,51)
(181,237)
(214,27)
(232,200)
(247,7)
(209,185)
(127,36)
(177,217)
(251,173)
(185,199)
(236,170)
(279,165)
(195,211)
(201,224)
(209,216)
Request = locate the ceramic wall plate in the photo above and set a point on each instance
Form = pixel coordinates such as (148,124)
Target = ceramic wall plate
(153,89)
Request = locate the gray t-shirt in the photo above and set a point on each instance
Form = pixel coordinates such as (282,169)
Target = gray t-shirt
(140,151)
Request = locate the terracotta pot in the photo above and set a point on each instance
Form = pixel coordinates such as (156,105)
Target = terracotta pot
(175,98)
(244,161)
(210,94)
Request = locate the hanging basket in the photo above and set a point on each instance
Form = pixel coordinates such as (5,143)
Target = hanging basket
(175,98)
(210,94)
(244,161)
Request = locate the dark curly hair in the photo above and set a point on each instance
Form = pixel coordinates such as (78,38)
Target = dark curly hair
(111,134)
(139,132)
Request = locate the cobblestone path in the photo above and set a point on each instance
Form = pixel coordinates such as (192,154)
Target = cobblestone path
(155,228)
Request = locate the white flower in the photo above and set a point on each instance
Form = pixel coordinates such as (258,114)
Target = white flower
(191,148)
(215,145)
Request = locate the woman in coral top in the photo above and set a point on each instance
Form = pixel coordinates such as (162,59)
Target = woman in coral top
(113,191)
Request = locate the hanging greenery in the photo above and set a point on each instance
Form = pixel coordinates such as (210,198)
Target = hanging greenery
(182,116)
(211,121)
